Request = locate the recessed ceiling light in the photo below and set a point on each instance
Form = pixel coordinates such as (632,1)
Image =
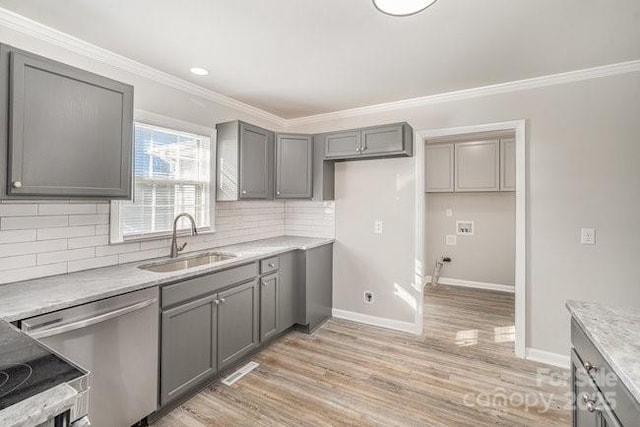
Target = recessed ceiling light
(199,71)
(402,7)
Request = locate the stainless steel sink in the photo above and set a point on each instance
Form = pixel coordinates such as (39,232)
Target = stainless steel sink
(187,262)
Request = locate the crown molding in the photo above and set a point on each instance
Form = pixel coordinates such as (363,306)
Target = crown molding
(50,35)
(29,27)
(496,89)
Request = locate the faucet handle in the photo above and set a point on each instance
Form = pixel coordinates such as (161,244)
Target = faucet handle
(182,246)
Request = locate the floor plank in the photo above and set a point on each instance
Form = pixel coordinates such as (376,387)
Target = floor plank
(461,371)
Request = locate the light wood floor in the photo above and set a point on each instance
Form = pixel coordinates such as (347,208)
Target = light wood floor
(460,372)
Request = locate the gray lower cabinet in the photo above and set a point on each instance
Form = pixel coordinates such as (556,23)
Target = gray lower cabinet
(294,166)
(393,140)
(289,290)
(69,132)
(269,294)
(238,319)
(245,162)
(315,277)
(188,347)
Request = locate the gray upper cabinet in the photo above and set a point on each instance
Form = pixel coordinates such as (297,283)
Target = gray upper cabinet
(269,294)
(508,164)
(341,145)
(477,166)
(69,132)
(245,161)
(439,168)
(294,166)
(323,172)
(189,350)
(238,320)
(394,140)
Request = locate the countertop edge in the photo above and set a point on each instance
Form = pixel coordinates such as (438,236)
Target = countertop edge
(167,279)
(39,408)
(629,383)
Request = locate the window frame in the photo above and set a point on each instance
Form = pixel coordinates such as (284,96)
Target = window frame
(116,235)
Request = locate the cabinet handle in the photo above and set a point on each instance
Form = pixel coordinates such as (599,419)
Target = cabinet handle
(271,265)
(278,193)
(264,283)
(222,300)
(362,149)
(244,191)
(216,302)
(589,367)
(17,184)
(589,404)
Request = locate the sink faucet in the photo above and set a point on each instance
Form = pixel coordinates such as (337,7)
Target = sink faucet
(175,249)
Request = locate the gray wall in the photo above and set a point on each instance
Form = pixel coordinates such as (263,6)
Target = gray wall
(486,256)
(582,166)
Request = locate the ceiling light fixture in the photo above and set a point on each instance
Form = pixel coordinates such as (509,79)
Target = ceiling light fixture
(402,7)
(199,71)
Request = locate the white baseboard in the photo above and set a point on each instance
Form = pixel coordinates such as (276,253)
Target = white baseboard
(555,359)
(471,284)
(382,322)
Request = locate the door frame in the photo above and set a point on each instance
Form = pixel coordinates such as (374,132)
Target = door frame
(519,127)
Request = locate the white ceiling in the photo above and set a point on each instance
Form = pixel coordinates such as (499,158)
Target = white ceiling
(296,58)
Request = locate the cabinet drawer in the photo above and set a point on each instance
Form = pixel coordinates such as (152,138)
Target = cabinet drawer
(625,408)
(270,264)
(192,288)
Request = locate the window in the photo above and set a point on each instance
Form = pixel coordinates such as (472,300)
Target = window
(172,174)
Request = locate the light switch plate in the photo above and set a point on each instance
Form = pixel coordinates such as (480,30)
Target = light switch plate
(452,240)
(377,227)
(588,236)
(449,212)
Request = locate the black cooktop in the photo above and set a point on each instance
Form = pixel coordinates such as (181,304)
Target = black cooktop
(28,368)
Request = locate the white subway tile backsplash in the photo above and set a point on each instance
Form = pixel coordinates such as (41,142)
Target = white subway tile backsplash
(66,208)
(62,256)
(17,236)
(27,222)
(73,236)
(66,232)
(18,210)
(88,219)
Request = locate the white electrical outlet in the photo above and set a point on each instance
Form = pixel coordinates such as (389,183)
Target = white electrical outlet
(588,236)
(449,212)
(377,227)
(451,239)
(368,297)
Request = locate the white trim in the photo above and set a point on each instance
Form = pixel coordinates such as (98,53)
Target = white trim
(419,256)
(555,359)
(50,35)
(29,27)
(473,284)
(458,95)
(521,185)
(382,322)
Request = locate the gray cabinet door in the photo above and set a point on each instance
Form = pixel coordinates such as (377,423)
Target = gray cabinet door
(477,166)
(382,140)
(439,168)
(294,156)
(323,172)
(288,291)
(256,162)
(318,287)
(188,347)
(70,131)
(269,294)
(238,313)
(342,144)
(508,164)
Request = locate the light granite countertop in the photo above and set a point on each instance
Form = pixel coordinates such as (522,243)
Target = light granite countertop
(615,332)
(21,300)
(39,408)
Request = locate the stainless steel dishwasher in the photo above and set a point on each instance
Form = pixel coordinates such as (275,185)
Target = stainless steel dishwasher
(116,339)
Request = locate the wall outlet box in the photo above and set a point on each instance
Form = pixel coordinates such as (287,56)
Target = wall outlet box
(464,228)
(588,236)
(451,240)
(368,297)
(377,227)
